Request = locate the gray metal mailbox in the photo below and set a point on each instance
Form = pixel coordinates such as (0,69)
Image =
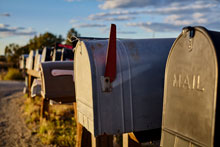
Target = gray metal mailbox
(135,100)
(191,107)
(57,81)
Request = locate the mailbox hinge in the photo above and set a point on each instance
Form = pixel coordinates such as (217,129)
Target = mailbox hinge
(191,31)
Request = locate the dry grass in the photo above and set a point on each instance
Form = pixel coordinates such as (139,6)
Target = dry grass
(59,130)
(13,74)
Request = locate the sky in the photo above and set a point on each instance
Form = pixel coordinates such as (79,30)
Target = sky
(21,20)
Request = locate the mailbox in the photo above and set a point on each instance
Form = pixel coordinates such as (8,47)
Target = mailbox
(37,60)
(135,98)
(57,81)
(30,60)
(36,88)
(47,54)
(57,53)
(22,61)
(191,108)
(67,54)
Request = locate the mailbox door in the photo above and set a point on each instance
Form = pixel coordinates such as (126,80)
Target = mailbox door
(59,88)
(190,91)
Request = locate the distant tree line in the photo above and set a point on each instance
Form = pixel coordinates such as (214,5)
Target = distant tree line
(14,51)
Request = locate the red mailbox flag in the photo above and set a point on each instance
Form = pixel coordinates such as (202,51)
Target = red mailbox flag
(110,68)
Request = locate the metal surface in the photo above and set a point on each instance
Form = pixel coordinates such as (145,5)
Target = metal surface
(135,102)
(47,54)
(30,60)
(67,54)
(37,60)
(36,88)
(22,61)
(57,54)
(190,109)
(59,88)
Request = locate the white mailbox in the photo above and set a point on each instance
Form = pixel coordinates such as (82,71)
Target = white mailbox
(30,60)
(37,60)
(134,102)
(22,61)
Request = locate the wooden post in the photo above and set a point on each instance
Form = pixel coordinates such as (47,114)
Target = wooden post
(102,141)
(45,108)
(129,141)
(83,137)
(29,85)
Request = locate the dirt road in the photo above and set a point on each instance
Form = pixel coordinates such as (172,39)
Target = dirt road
(13,131)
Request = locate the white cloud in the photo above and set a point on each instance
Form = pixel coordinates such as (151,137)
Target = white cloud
(155,27)
(173,15)
(174,8)
(86,25)
(126,32)
(181,20)
(112,4)
(117,18)
(7,31)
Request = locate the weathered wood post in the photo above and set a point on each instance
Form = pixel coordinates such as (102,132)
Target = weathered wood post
(130,141)
(45,108)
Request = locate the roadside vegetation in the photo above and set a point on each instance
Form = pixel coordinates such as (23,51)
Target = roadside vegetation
(12,74)
(58,130)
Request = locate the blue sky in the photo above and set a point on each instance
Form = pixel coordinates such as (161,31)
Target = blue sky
(20,20)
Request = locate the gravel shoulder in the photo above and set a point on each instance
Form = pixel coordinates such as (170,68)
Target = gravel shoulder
(13,130)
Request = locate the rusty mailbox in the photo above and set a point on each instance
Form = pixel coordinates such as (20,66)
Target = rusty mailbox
(131,99)
(57,81)
(191,108)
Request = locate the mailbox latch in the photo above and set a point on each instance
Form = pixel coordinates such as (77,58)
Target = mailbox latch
(106,84)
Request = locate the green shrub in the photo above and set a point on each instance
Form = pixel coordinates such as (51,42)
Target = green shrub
(13,74)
